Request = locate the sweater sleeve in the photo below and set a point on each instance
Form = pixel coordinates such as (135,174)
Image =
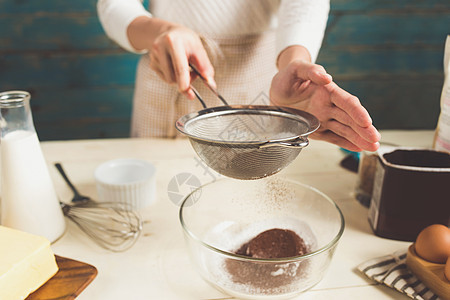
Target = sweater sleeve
(302,22)
(116,15)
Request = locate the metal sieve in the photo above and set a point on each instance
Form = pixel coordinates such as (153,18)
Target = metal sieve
(248,141)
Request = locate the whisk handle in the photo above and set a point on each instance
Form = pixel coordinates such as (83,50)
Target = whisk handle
(66,179)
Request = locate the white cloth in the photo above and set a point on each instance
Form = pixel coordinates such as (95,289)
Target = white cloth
(242,37)
(298,22)
(240,78)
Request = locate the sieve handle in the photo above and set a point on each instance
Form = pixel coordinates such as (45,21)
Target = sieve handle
(300,142)
(196,93)
(205,81)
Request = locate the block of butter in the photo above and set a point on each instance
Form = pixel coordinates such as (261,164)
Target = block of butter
(26,263)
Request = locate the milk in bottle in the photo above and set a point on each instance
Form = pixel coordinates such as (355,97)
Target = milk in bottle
(28,201)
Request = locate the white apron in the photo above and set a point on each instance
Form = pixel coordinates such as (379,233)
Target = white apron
(244,67)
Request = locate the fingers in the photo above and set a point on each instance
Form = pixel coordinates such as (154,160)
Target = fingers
(351,135)
(189,94)
(171,54)
(350,104)
(350,112)
(344,120)
(180,65)
(313,72)
(369,133)
(161,63)
(203,65)
(333,138)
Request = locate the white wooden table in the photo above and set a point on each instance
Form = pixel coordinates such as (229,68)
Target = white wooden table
(158,265)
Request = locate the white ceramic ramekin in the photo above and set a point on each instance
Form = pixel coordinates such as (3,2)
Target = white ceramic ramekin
(126,180)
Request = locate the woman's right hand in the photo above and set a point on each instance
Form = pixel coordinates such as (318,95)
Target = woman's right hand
(172,48)
(173,51)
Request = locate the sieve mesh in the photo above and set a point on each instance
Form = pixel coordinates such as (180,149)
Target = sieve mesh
(248,142)
(245,127)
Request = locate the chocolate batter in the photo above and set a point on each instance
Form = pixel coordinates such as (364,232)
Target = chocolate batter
(272,243)
(276,243)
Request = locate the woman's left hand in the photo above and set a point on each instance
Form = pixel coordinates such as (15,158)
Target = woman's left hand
(343,120)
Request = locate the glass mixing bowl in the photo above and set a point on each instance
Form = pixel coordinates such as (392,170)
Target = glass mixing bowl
(220,217)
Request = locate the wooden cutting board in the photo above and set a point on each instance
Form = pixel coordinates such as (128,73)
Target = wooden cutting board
(71,279)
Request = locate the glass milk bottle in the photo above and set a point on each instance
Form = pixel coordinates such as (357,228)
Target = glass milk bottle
(28,201)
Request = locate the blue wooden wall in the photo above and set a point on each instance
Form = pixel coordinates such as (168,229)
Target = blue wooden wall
(81,83)
(388,53)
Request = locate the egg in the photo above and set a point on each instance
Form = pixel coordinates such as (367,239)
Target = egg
(433,243)
(447,269)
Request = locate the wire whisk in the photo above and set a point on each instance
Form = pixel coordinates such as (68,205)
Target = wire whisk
(111,225)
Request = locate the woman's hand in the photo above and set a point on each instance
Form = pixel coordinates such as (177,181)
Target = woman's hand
(344,121)
(172,48)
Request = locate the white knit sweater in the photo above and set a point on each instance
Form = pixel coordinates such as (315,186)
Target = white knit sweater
(297,22)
